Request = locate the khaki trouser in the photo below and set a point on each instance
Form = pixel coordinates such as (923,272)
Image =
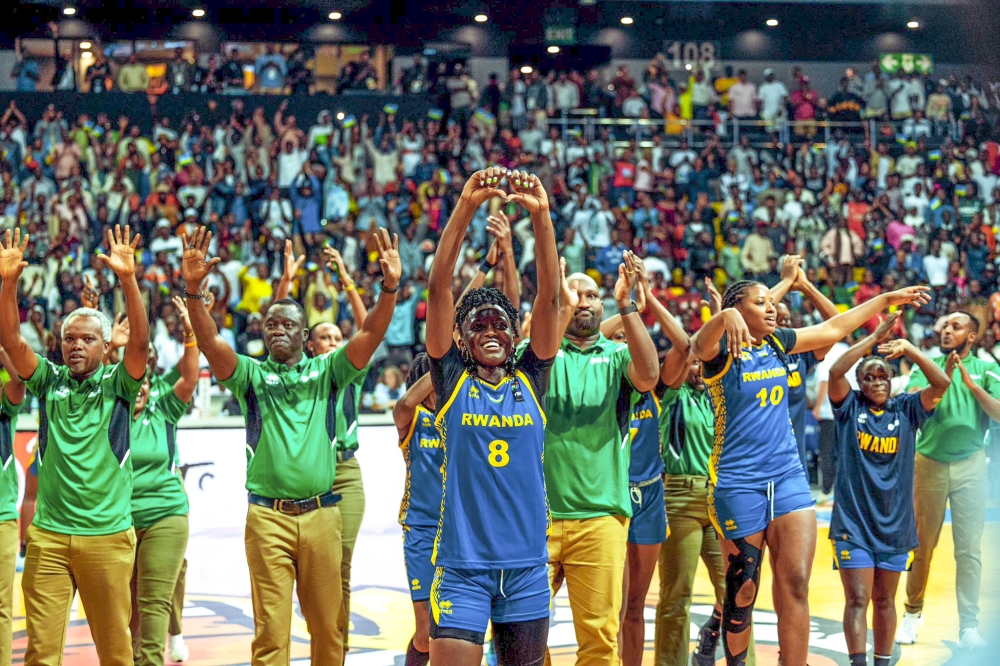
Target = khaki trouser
(100,567)
(158,560)
(9,545)
(963,484)
(177,602)
(692,538)
(352,509)
(590,556)
(283,551)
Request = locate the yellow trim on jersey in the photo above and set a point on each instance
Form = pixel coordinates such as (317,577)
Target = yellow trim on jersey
(531,390)
(454,394)
(725,369)
(405,442)
(404,504)
(717,394)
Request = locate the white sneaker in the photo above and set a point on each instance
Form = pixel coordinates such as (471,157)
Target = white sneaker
(971,640)
(907,632)
(178,650)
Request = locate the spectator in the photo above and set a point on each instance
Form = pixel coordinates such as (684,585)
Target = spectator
(804,102)
(98,75)
(180,73)
(132,77)
(773,95)
(388,390)
(270,70)
(567,95)
(755,257)
(743,102)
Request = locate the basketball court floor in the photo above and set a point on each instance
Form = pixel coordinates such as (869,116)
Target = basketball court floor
(218,622)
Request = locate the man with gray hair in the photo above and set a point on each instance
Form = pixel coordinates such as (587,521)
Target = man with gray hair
(82,536)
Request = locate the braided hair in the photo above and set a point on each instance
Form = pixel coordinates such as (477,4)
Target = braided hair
(420,366)
(734,294)
(476,298)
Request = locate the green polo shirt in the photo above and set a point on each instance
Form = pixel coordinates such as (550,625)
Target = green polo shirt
(957,429)
(157,486)
(8,471)
(686,430)
(291,422)
(348,406)
(84,466)
(587,441)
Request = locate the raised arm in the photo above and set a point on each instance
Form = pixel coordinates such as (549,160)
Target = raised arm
(674,363)
(939,379)
(729,322)
(120,331)
(989,404)
(372,332)
(188,366)
(195,267)
(479,279)
(499,226)
(825,307)
(402,413)
(839,327)
(643,370)
(14,389)
(22,357)
(481,187)
(292,266)
(527,191)
(336,264)
(838,386)
(121,260)
(789,272)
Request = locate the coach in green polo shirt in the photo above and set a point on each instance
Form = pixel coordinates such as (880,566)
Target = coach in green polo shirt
(10,404)
(950,467)
(592,387)
(293,530)
(81,537)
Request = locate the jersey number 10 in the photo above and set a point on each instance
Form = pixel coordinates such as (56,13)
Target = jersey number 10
(777,393)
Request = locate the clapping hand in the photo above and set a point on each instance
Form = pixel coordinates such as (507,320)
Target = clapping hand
(626,278)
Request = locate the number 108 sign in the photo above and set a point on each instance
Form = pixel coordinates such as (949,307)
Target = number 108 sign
(680,53)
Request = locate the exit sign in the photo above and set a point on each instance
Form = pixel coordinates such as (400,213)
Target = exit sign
(560,34)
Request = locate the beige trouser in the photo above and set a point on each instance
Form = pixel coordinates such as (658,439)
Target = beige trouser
(9,544)
(963,484)
(283,551)
(100,567)
(177,602)
(159,557)
(352,509)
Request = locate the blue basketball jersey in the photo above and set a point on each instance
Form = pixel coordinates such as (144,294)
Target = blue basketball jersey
(647,455)
(799,366)
(874,483)
(421,505)
(494,513)
(754,443)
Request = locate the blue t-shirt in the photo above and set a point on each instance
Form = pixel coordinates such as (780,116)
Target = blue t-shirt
(494,514)
(647,455)
(754,442)
(424,456)
(874,486)
(799,366)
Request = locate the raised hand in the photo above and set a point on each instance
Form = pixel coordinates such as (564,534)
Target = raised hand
(790,266)
(966,378)
(527,190)
(499,226)
(568,295)
(209,300)
(737,333)
(714,302)
(89,296)
(195,264)
(626,278)
(12,255)
(642,284)
(482,186)
(493,254)
(884,327)
(950,364)
(388,258)
(335,262)
(916,296)
(292,265)
(120,331)
(183,312)
(122,249)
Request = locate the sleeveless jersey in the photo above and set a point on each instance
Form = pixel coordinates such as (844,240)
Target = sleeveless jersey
(647,459)
(494,513)
(874,486)
(421,505)
(799,366)
(754,443)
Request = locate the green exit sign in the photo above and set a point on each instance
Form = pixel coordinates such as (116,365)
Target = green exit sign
(908,63)
(560,34)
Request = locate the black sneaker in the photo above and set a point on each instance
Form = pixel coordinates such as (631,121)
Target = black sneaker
(704,653)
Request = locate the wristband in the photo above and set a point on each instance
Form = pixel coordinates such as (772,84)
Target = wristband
(387,290)
(628,309)
(200,296)
(351,287)
(486,267)
(188,345)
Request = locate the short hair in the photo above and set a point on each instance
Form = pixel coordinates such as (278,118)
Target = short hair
(973,318)
(90,312)
(868,359)
(292,303)
(583,277)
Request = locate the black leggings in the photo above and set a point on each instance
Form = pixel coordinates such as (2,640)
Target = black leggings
(521,643)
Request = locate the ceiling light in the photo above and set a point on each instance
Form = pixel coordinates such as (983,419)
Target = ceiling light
(772,23)
(553,49)
(913,25)
(335,16)
(627,20)
(85,45)
(688,67)
(197,13)
(69,11)
(340,115)
(526,69)
(482,18)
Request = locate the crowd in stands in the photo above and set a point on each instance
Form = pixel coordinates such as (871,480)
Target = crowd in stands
(911,203)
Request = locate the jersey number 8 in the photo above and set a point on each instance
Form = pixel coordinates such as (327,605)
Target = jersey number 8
(777,393)
(498,453)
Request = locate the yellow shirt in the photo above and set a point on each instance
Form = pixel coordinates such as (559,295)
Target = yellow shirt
(255,292)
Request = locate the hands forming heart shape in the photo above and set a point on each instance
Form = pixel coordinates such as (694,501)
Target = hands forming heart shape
(525,189)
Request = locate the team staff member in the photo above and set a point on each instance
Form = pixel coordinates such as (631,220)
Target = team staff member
(587,458)
(293,524)
(758,493)
(872,528)
(491,565)
(81,537)
(323,338)
(420,508)
(647,529)
(159,503)
(950,468)
(10,405)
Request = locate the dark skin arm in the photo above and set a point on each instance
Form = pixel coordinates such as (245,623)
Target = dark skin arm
(839,387)
(337,265)
(122,261)
(195,267)
(188,365)
(939,379)
(406,407)
(644,368)
(989,404)
(499,226)
(14,389)
(361,347)
(292,267)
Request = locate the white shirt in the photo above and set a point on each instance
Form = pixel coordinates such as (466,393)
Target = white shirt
(290,165)
(567,95)
(936,269)
(681,161)
(907,165)
(823,375)
(743,99)
(772,98)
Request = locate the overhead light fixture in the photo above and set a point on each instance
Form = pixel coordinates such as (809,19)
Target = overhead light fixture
(85,45)
(526,69)
(688,67)
(197,13)
(69,11)
(482,18)
(627,20)
(335,16)
(913,25)
(340,115)
(553,49)
(772,23)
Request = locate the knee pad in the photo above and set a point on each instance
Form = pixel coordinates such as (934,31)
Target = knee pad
(521,643)
(743,567)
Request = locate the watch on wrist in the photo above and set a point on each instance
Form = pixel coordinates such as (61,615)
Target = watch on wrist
(628,309)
